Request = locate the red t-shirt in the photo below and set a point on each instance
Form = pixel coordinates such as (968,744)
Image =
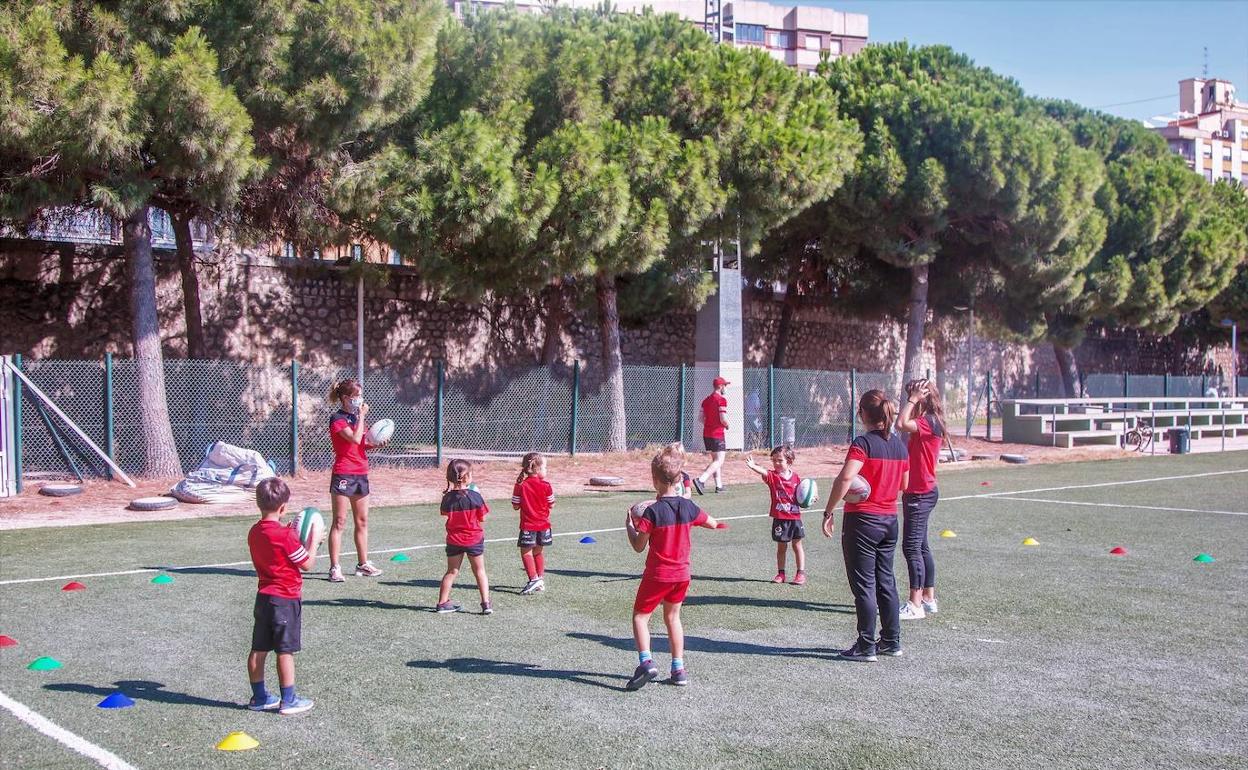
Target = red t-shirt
(349,456)
(276,553)
(534,495)
(668,521)
(924,446)
(784,495)
(712,425)
(884,461)
(464,510)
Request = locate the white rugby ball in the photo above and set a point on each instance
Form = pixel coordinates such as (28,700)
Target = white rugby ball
(638,509)
(859,490)
(379,432)
(807,493)
(309,525)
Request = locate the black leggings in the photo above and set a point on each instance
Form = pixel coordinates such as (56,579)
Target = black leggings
(919,562)
(868,541)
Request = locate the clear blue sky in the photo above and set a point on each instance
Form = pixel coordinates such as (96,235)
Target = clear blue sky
(1093,52)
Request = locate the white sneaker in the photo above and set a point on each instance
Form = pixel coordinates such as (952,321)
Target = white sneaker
(910,612)
(366,570)
(335,574)
(541,585)
(930,607)
(530,587)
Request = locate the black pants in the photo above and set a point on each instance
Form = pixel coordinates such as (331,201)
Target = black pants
(917,508)
(868,541)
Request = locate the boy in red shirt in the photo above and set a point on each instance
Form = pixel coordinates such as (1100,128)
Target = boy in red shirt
(280,561)
(786,514)
(664,527)
(714,416)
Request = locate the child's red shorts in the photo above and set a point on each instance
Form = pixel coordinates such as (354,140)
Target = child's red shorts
(651,593)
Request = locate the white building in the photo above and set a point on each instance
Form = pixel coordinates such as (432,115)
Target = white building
(1210,130)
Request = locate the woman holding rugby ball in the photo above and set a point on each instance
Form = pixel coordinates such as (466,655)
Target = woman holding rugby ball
(922,417)
(348,482)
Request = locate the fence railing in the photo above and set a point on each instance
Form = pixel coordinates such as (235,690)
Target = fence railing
(282,411)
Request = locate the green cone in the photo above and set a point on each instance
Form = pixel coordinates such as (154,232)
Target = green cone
(44,664)
(400,557)
(162,580)
(1204,558)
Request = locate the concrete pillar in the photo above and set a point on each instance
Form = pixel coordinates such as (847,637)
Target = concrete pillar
(718,353)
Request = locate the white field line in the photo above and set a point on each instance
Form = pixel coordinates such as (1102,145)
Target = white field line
(103,757)
(582,533)
(1119,505)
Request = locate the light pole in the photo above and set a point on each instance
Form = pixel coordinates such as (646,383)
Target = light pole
(1234,355)
(970,365)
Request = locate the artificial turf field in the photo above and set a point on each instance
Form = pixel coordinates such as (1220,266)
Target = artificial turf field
(1056,656)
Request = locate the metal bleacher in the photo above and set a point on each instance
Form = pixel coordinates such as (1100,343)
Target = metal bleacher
(1069,422)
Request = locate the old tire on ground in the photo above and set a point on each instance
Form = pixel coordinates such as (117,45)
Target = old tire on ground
(60,490)
(1014,459)
(606,481)
(159,503)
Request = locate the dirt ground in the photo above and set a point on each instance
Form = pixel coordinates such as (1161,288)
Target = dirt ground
(105,502)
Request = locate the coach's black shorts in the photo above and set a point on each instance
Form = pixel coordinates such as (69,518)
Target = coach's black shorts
(476,549)
(279,624)
(714,444)
(349,484)
(534,538)
(787,530)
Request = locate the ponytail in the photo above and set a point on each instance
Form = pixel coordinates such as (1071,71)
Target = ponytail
(347,388)
(877,409)
(457,472)
(529,466)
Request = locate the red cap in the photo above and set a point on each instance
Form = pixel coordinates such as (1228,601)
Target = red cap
(720,382)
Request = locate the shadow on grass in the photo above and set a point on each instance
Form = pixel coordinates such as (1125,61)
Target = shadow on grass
(530,670)
(142,689)
(365,604)
(613,577)
(784,604)
(231,571)
(702,644)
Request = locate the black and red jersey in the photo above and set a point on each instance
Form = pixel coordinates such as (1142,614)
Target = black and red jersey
(784,503)
(885,460)
(534,496)
(349,457)
(712,423)
(668,520)
(464,510)
(924,449)
(276,553)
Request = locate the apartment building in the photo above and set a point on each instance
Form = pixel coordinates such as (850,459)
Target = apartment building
(797,35)
(1210,130)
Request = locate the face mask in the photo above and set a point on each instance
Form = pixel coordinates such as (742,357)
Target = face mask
(357,402)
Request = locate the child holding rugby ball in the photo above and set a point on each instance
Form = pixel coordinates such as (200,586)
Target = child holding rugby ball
(785,512)
(465,511)
(533,497)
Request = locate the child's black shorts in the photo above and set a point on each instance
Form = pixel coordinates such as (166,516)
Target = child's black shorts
(533,538)
(349,484)
(279,624)
(476,549)
(787,530)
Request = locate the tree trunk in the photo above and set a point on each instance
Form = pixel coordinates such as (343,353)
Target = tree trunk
(556,317)
(1068,368)
(195,346)
(787,311)
(913,367)
(160,455)
(612,361)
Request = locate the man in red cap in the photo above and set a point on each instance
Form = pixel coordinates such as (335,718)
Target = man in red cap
(714,422)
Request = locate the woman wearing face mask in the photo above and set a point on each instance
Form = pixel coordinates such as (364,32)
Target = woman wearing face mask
(348,484)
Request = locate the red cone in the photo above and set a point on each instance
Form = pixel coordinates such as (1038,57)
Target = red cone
(1118,551)
(985,483)
(7,641)
(74,586)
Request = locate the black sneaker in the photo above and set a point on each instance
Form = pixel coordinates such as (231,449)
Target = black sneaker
(679,678)
(857,654)
(891,650)
(448,606)
(698,485)
(645,673)
(720,489)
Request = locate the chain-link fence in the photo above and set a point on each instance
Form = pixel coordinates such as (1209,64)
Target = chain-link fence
(283,411)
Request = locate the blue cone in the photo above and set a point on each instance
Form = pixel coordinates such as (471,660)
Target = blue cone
(117,700)
(588,539)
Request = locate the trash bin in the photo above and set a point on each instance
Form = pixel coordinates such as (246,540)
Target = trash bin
(788,430)
(1180,441)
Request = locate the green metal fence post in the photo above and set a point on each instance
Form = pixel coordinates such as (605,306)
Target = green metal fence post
(1036,387)
(1083,391)
(294,417)
(17,424)
(853,401)
(1124,384)
(108,413)
(988,410)
(680,406)
(1165,386)
(437,426)
(1204,384)
(771,406)
(576,394)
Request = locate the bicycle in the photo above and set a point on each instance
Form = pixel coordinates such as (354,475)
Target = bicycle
(1139,438)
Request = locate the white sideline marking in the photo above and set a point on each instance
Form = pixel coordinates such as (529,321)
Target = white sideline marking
(1118,505)
(621,529)
(102,756)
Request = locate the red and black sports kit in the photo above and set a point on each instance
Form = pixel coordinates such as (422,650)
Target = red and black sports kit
(349,476)
(534,496)
(712,424)
(666,578)
(919,500)
(869,537)
(465,511)
(276,553)
(786,514)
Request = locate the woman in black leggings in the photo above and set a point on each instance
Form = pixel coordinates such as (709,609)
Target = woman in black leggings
(923,418)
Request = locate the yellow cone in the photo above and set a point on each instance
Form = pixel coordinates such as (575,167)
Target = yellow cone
(1031,541)
(237,741)
(948,533)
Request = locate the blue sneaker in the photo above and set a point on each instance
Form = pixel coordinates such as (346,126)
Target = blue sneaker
(646,672)
(297,706)
(270,704)
(679,677)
